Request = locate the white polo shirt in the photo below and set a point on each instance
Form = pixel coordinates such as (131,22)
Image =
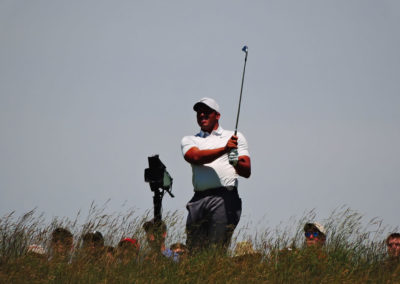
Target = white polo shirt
(219,172)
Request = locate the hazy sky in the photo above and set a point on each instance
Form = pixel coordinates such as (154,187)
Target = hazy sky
(90,89)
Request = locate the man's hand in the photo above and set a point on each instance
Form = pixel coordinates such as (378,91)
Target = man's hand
(231,148)
(232,143)
(233,157)
(242,164)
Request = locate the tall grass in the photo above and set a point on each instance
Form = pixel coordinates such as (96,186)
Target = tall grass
(354,252)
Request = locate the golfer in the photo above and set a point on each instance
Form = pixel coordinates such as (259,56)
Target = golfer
(217,158)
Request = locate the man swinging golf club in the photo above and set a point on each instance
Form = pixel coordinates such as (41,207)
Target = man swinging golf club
(217,157)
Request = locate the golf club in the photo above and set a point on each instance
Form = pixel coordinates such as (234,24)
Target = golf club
(245,50)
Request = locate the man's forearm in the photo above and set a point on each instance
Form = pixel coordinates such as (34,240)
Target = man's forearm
(243,167)
(200,157)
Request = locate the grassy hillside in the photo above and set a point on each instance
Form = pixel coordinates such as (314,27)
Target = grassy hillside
(354,253)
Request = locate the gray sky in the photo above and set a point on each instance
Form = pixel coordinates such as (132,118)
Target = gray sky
(90,89)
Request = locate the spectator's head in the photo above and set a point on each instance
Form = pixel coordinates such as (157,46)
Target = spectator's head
(93,240)
(127,250)
(179,250)
(109,253)
(393,245)
(245,254)
(61,241)
(244,248)
(315,234)
(156,232)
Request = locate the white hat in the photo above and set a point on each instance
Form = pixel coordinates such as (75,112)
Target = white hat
(211,103)
(318,226)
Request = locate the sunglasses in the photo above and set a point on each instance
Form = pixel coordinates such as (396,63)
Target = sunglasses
(309,234)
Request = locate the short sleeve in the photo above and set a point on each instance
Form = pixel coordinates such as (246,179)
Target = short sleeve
(187,143)
(243,148)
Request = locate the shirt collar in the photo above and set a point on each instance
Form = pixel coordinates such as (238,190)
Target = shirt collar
(216,132)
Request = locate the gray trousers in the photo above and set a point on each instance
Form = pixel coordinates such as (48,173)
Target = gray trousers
(212,217)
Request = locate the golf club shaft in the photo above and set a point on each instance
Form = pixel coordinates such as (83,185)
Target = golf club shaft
(241,89)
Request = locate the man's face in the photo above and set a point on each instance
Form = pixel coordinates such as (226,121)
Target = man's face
(127,252)
(63,248)
(156,240)
(393,247)
(207,118)
(93,246)
(314,238)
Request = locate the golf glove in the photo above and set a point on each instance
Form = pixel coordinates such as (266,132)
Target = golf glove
(233,157)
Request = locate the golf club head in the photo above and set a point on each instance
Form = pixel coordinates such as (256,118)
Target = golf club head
(245,48)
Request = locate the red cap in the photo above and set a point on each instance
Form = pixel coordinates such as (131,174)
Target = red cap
(132,241)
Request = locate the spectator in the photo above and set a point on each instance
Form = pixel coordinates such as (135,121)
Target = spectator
(243,248)
(109,254)
(393,245)
(156,232)
(315,235)
(93,244)
(244,253)
(392,262)
(128,250)
(93,240)
(179,251)
(61,244)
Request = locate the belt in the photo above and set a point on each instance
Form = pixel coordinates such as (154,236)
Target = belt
(216,191)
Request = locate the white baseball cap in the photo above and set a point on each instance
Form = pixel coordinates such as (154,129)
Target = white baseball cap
(211,103)
(318,226)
